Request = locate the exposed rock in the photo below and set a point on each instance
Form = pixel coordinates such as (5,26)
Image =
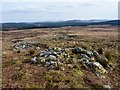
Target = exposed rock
(23,45)
(96,54)
(89,53)
(98,69)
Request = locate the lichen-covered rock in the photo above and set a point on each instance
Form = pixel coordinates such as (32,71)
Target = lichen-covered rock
(42,61)
(98,69)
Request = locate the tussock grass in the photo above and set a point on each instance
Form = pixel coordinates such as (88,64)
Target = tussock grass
(109,54)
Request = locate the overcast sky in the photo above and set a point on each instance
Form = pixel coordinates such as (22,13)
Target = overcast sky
(55,10)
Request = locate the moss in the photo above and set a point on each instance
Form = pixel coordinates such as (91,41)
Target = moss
(51,85)
(97,87)
(71,79)
(18,62)
(26,59)
(74,79)
(78,72)
(42,61)
(54,76)
(23,51)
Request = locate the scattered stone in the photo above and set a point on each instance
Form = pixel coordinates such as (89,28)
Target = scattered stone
(23,45)
(58,58)
(34,60)
(37,48)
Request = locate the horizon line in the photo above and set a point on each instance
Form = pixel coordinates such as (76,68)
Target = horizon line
(58,20)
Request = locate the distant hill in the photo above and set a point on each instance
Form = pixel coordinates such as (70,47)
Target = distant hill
(8,26)
(111,22)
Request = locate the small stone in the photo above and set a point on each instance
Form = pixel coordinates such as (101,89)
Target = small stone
(83,56)
(55,64)
(107,86)
(42,61)
(51,57)
(51,67)
(70,66)
(47,64)
(96,55)
(38,48)
(34,60)
(52,62)
(77,50)
(23,46)
(42,54)
(57,49)
(15,58)
(74,61)
(84,60)
(89,53)
(38,65)
(62,68)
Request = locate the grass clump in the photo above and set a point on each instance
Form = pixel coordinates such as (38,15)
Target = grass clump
(8,63)
(103,61)
(31,52)
(97,87)
(100,50)
(108,54)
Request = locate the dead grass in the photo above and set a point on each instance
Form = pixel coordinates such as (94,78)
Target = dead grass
(31,76)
